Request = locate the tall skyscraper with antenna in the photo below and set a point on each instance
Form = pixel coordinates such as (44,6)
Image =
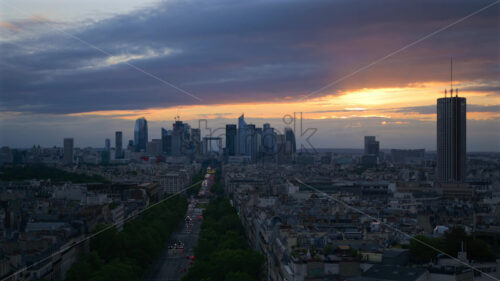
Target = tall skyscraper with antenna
(451,136)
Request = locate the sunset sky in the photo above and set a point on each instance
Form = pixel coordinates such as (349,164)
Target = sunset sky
(85,69)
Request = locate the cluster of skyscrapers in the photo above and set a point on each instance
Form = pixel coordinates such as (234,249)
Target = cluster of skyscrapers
(253,143)
(243,142)
(248,143)
(181,140)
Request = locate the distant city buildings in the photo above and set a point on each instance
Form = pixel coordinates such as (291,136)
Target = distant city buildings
(372,146)
(231,139)
(244,143)
(68,151)
(250,143)
(371,151)
(317,236)
(268,139)
(182,140)
(291,147)
(118,145)
(408,156)
(6,156)
(242,148)
(166,141)
(195,141)
(179,130)
(107,145)
(451,138)
(130,146)
(154,147)
(212,145)
(141,134)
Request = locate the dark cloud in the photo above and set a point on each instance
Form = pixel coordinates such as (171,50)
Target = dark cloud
(431,109)
(493,88)
(251,51)
(426,109)
(483,108)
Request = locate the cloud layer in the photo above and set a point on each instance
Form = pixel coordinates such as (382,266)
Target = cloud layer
(224,52)
(60,79)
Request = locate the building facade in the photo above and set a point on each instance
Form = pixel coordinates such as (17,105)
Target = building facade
(118,145)
(372,146)
(141,134)
(291,147)
(231,137)
(451,139)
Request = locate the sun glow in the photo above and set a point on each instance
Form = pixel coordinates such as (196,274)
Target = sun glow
(383,103)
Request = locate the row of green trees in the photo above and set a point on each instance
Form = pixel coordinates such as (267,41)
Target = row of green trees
(126,255)
(223,252)
(196,178)
(450,243)
(217,188)
(43,172)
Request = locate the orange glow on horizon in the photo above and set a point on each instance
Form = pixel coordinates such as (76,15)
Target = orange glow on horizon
(362,103)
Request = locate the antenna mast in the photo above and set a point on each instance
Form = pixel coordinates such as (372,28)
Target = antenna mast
(451,77)
(451,73)
(177,117)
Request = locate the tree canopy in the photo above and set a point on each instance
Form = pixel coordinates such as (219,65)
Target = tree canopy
(223,252)
(450,243)
(125,255)
(43,172)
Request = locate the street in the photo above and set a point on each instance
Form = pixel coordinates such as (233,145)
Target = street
(173,263)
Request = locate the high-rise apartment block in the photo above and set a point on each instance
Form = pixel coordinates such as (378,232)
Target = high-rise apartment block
(451,139)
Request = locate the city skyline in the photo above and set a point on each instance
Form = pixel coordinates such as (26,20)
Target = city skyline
(309,139)
(266,78)
(267,140)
